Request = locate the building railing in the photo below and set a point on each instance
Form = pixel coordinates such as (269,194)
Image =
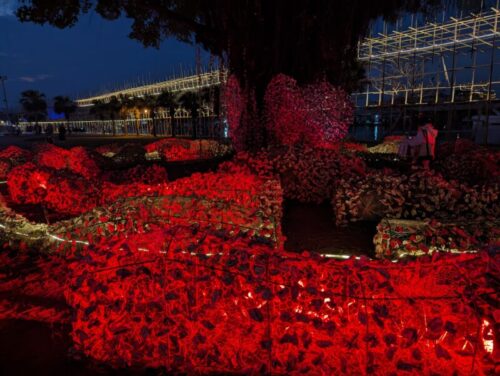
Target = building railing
(206,127)
(196,82)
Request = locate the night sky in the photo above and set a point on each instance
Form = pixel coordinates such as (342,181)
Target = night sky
(92,56)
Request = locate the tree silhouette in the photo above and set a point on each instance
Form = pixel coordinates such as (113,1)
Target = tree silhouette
(99,109)
(151,103)
(113,107)
(64,105)
(133,105)
(191,102)
(308,40)
(168,100)
(34,104)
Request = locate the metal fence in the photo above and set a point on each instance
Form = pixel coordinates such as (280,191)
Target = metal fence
(203,127)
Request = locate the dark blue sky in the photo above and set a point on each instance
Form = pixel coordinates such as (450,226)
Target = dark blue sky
(92,56)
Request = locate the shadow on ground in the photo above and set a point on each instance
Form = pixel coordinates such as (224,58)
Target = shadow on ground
(310,227)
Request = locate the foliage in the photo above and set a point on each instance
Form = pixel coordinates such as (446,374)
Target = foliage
(307,40)
(64,105)
(34,105)
(168,100)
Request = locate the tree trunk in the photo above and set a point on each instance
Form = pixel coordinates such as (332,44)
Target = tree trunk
(194,120)
(113,125)
(172,124)
(137,123)
(153,119)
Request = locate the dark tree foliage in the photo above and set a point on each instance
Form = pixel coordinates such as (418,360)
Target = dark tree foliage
(64,105)
(34,105)
(305,39)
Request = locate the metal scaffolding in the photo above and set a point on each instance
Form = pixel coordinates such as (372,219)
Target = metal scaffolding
(435,68)
(397,63)
(195,83)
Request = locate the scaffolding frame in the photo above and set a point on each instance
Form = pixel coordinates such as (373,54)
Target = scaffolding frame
(386,55)
(189,83)
(432,68)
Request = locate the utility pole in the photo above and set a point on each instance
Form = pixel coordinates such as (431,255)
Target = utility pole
(2,80)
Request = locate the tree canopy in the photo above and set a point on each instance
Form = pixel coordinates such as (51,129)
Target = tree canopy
(64,105)
(34,105)
(305,39)
(308,40)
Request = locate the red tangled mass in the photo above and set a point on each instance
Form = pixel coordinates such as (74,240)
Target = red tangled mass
(306,174)
(396,238)
(186,150)
(191,275)
(11,157)
(316,115)
(204,302)
(77,160)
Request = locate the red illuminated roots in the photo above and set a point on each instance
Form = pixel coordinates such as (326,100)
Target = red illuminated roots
(285,111)
(235,100)
(11,157)
(418,195)
(68,193)
(306,174)
(224,304)
(184,150)
(317,115)
(396,239)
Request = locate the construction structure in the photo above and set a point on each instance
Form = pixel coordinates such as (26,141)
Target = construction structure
(132,113)
(190,83)
(448,71)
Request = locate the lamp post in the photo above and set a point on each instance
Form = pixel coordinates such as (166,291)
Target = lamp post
(2,80)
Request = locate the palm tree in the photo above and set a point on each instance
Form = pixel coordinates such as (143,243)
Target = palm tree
(151,102)
(113,107)
(99,109)
(34,104)
(133,105)
(122,99)
(64,105)
(191,101)
(215,101)
(168,100)
(137,104)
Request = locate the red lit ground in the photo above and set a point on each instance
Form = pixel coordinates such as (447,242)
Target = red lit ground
(29,348)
